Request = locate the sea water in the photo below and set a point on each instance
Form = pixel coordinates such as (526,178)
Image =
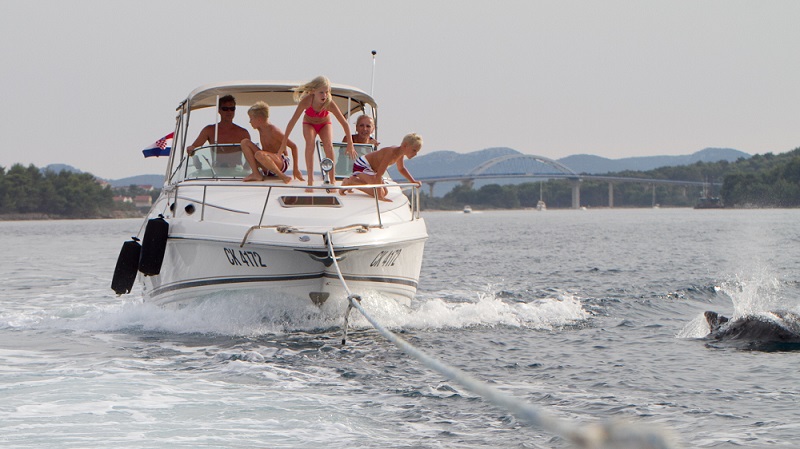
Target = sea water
(589,316)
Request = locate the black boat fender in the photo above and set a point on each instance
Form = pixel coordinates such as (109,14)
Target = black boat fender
(127,266)
(154,245)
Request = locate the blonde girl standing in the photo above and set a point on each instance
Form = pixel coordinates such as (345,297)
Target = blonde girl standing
(315,103)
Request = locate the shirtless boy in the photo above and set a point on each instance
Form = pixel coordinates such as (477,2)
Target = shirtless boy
(226,131)
(267,157)
(370,168)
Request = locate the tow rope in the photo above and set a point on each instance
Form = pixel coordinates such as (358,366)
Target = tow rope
(610,434)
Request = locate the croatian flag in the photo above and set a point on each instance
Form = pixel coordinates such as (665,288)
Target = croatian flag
(161,147)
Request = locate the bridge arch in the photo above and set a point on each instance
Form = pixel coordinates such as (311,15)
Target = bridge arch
(560,168)
(530,165)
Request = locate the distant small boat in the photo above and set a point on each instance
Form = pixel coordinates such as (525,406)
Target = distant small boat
(540,205)
(707,201)
(467,209)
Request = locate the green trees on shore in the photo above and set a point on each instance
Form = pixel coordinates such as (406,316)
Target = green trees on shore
(765,181)
(761,181)
(28,190)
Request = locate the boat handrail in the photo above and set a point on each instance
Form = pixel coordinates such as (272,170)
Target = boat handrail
(172,191)
(217,145)
(217,182)
(286,229)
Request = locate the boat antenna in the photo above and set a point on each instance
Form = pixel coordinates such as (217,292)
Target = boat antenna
(372,86)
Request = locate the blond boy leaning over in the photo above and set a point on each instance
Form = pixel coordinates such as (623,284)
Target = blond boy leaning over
(370,168)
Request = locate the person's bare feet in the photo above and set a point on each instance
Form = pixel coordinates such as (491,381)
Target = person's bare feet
(285,179)
(253,177)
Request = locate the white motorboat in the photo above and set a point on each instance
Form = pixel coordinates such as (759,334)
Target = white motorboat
(210,232)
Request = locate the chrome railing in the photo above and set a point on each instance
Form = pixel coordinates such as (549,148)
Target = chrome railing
(174,197)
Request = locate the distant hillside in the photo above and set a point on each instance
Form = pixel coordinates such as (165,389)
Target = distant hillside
(596,165)
(142,180)
(58,168)
(443,163)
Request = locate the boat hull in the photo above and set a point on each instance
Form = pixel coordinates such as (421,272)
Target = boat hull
(195,267)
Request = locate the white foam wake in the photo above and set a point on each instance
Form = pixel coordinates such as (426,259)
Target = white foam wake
(252,315)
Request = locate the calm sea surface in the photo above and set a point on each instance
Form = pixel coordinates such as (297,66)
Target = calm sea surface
(589,315)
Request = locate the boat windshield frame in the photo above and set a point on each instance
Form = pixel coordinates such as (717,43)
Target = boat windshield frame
(350,100)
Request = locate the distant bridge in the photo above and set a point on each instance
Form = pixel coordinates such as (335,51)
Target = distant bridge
(542,168)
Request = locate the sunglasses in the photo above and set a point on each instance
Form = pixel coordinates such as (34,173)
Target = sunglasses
(227,108)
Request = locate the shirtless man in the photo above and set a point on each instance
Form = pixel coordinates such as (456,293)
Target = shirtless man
(370,168)
(227,132)
(267,157)
(364,129)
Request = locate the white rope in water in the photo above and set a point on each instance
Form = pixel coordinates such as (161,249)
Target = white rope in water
(617,435)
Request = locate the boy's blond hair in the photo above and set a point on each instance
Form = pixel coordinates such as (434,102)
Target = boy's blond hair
(412,139)
(259,109)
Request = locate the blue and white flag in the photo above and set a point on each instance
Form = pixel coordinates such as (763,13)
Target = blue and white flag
(161,147)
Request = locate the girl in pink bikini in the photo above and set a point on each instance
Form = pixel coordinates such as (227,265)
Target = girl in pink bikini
(314,102)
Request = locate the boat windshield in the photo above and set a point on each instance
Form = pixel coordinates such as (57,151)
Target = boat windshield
(216,161)
(343,165)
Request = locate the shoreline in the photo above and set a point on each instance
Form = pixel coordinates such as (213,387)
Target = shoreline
(38,216)
(132,214)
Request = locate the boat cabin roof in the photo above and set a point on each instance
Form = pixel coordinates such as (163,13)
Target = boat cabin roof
(274,93)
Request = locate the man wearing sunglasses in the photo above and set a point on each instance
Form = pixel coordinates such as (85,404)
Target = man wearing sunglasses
(227,132)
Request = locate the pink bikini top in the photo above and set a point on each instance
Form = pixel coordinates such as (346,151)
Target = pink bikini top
(314,114)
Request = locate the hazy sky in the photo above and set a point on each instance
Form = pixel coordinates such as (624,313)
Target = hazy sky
(91,83)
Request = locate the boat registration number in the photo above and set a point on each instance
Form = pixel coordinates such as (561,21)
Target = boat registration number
(386,258)
(244,258)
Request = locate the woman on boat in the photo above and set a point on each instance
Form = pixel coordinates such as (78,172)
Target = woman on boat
(364,129)
(315,103)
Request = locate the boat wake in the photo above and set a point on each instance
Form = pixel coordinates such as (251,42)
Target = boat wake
(237,314)
(491,309)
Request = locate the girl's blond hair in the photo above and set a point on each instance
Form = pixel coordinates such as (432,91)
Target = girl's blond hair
(301,92)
